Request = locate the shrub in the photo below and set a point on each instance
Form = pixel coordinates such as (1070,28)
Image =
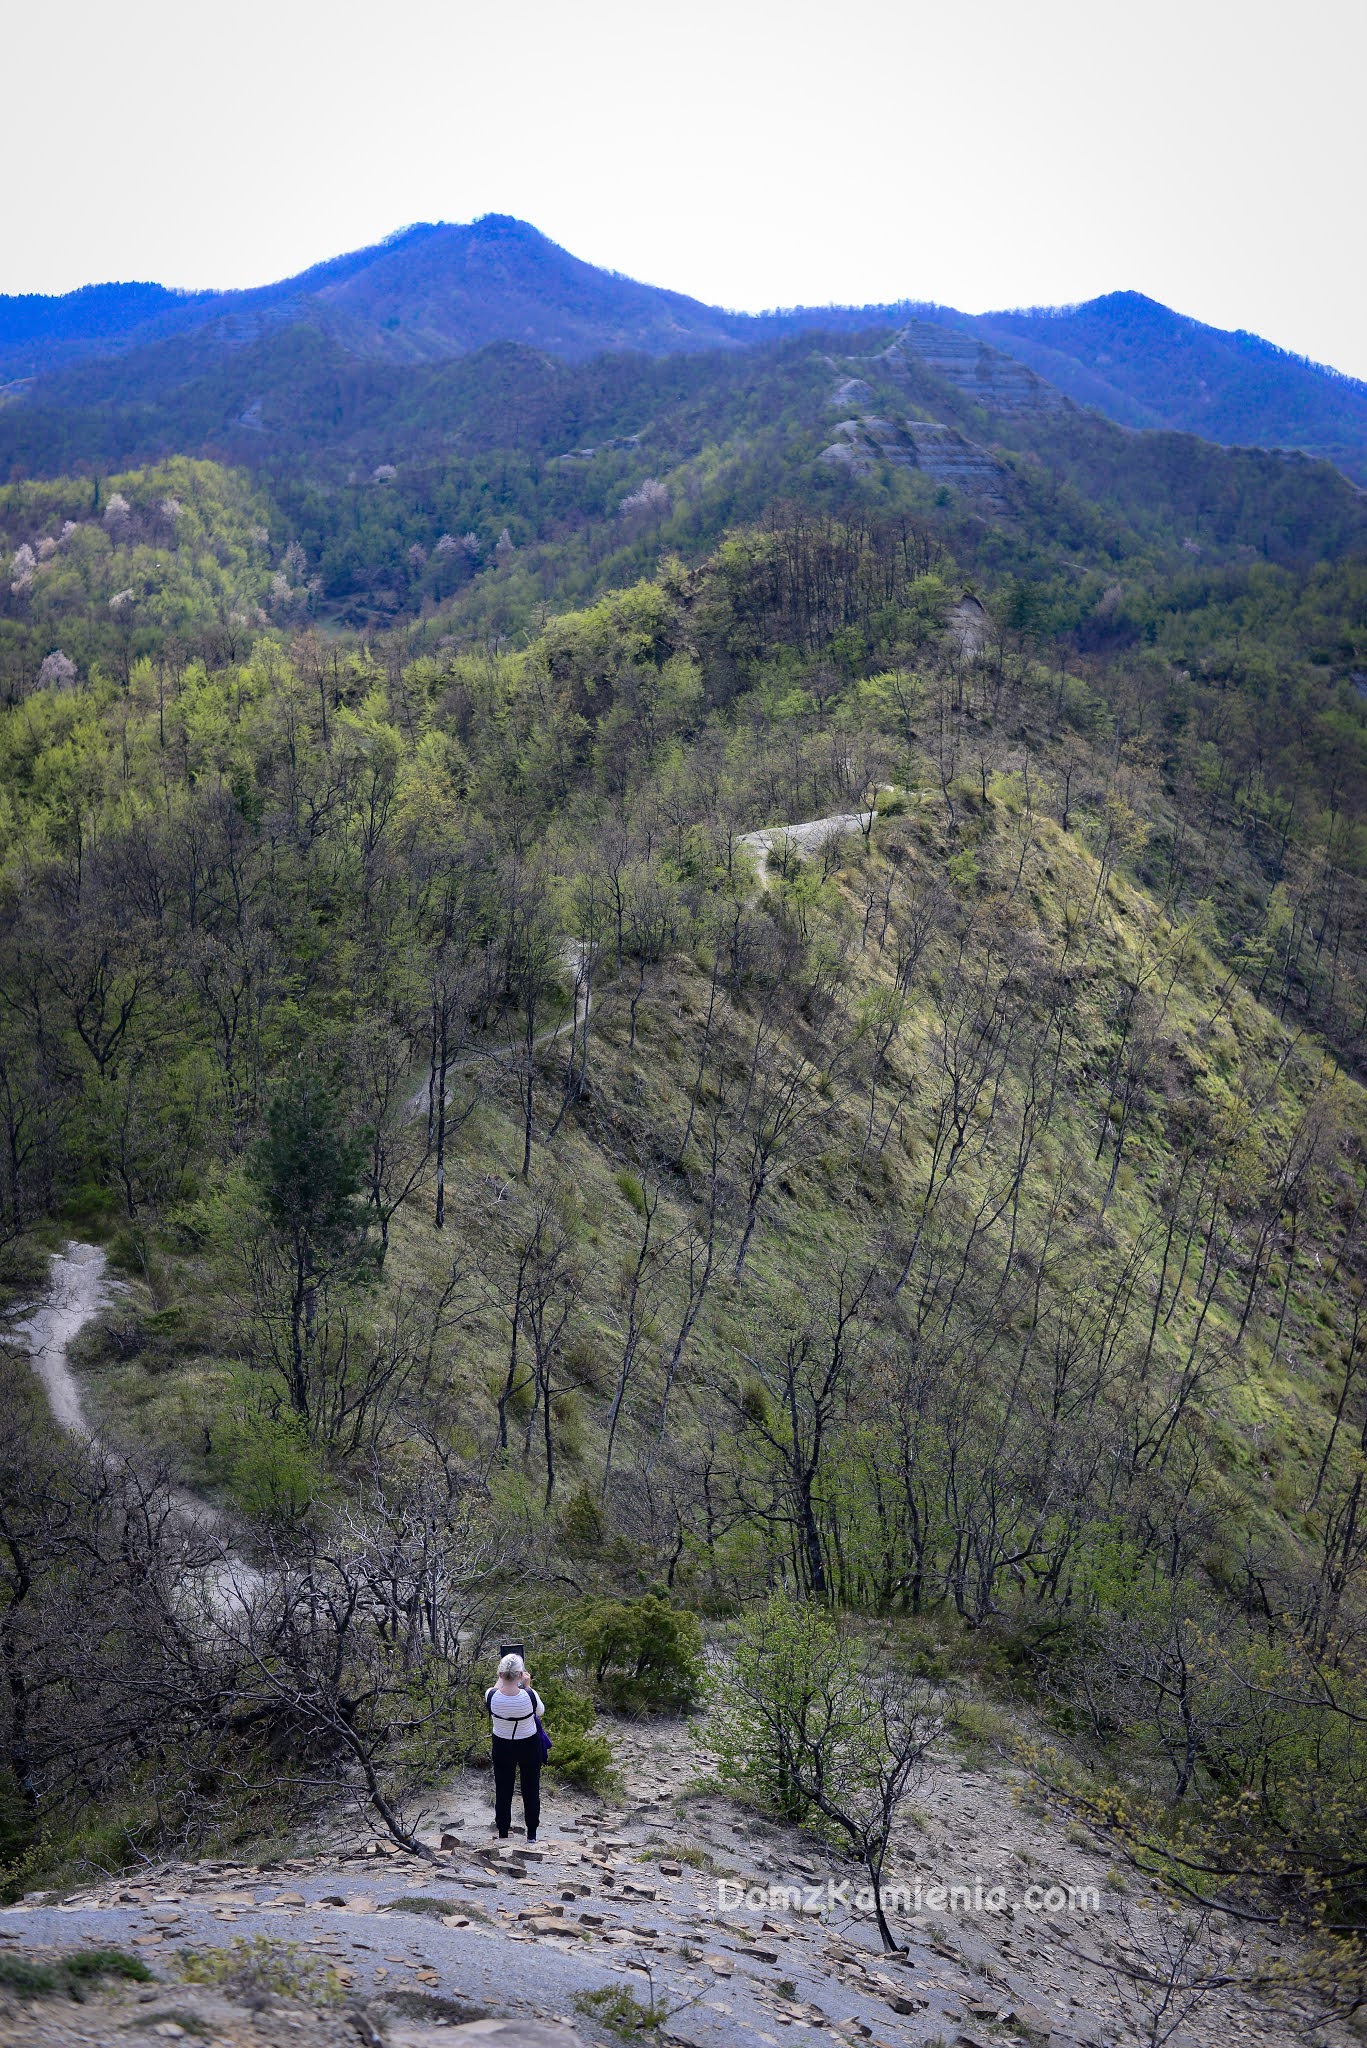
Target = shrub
(567,1711)
(583,1760)
(645,1656)
(107,1962)
(568,1414)
(581,1362)
(617,2009)
(420,1902)
(274,1473)
(28,1979)
(754,1401)
(263,1964)
(580,1758)
(582,1527)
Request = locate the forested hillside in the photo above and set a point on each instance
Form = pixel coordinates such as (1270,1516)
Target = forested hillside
(538,1180)
(1146,366)
(433,293)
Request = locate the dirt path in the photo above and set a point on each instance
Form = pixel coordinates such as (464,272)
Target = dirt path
(808,838)
(574,955)
(79,1289)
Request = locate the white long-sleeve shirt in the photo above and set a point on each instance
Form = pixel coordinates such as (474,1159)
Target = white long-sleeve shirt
(514,1713)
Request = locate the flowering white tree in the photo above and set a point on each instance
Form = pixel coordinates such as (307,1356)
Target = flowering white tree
(649,500)
(57,671)
(383,473)
(21,569)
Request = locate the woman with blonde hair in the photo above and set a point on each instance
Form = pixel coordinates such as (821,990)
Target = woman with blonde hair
(519,1742)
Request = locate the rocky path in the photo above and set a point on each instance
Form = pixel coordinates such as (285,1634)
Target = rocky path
(639,1896)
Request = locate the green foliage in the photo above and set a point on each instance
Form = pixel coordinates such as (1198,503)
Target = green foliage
(263,1964)
(422,1903)
(576,1756)
(823,1727)
(308,1170)
(275,1472)
(567,1711)
(584,1760)
(69,1974)
(178,551)
(617,2008)
(645,1656)
(816,1692)
(54,1851)
(965,1223)
(27,1979)
(582,1525)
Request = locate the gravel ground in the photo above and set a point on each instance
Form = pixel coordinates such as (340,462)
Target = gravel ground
(426,1950)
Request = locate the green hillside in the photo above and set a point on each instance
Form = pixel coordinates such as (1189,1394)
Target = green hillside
(954,1217)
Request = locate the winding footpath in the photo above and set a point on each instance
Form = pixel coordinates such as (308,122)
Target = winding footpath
(79,1289)
(807,838)
(77,1292)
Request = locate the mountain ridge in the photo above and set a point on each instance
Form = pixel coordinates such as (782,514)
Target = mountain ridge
(1147,366)
(434,291)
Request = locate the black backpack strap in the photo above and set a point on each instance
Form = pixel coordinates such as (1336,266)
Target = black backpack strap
(533,1697)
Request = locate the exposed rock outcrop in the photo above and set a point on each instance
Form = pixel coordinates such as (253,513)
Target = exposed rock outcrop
(997,382)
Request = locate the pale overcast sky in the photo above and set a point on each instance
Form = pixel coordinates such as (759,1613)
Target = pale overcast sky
(752,154)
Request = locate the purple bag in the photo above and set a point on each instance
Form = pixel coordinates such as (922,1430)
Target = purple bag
(543,1738)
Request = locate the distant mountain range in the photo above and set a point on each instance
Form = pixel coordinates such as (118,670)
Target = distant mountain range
(438,291)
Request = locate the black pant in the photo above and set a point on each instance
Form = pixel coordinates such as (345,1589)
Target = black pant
(508,1757)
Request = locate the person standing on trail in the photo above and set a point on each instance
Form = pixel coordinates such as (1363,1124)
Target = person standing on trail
(519,1743)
